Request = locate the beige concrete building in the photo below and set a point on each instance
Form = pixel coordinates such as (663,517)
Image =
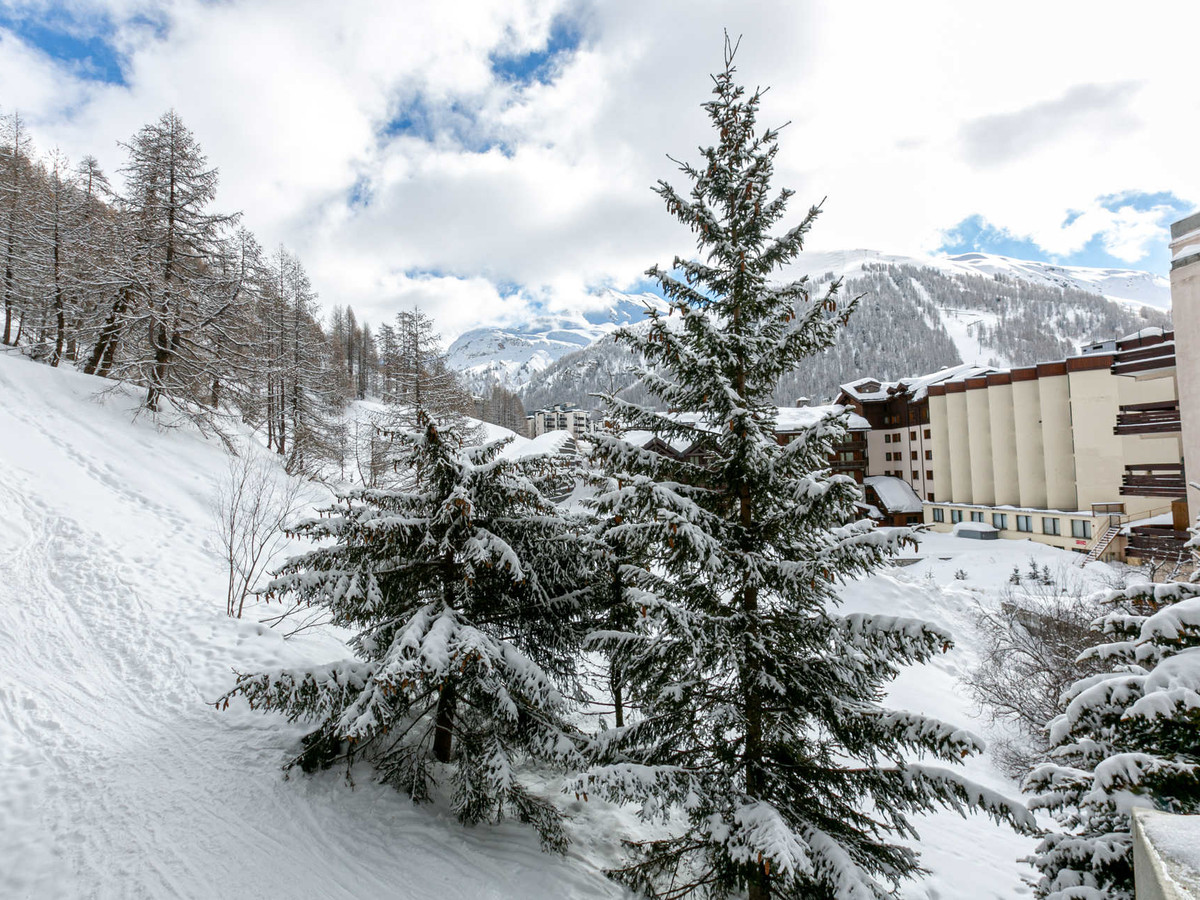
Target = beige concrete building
(563,417)
(901,442)
(1185,314)
(1071,453)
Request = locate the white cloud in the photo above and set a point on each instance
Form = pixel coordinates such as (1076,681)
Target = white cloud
(909,123)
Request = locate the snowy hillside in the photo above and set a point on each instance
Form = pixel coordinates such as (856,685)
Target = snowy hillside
(119,780)
(1126,285)
(511,356)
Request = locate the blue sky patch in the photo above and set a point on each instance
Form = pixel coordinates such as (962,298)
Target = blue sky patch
(539,65)
(976,234)
(83,45)
(419,118)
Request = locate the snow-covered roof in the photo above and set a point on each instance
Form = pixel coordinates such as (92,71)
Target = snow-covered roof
(867,389)
(797,418)
(549,444)
(641,438)
(896,495)
(977,527)
(1148,331)
(788,420)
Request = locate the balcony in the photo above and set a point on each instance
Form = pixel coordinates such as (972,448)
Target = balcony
(1148,418)
(1154,480)
(1157,542)
(1158,358)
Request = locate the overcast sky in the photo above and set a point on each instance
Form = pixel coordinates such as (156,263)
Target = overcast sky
(491,159)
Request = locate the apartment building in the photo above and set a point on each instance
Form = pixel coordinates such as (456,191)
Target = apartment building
(900,439)
(560,417)
(1049,452)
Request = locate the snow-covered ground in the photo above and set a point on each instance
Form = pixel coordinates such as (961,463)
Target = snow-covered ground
(119,780)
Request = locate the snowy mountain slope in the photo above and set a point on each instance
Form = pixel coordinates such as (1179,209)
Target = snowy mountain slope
(917,315)
(1126,285)
(511,356)
(119,780)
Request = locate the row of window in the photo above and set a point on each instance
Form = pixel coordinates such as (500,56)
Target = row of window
(1080,528)
(912,436)
(896,457)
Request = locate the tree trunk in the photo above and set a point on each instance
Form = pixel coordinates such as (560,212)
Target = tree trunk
(443,731)
(102,354)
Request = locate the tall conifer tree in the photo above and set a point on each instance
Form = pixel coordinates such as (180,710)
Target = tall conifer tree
(759,716)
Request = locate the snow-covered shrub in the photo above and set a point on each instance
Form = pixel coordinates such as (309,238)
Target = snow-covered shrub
(1129,736)
(1030,645)
(251,510)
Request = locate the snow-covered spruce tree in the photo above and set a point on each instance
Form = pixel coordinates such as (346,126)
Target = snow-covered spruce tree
(455,586)
(1129,737)
(760,722)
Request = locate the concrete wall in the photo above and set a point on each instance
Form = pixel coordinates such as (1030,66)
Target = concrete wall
(1058,449)
(1164,857)
(979,435)
(1027,434)
(960,449)
(1185,313)
(1099,464)
(1005,477)
(943,462)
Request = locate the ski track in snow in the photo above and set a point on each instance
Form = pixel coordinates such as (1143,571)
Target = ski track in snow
(119,780)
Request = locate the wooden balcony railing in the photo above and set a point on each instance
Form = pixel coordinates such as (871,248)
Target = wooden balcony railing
(1154,480)
(1157,542)
(1153,358)
(1148,418)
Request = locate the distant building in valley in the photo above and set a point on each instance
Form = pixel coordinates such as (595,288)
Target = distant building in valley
(560,417)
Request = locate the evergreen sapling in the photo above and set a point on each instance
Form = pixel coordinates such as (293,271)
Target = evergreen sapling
(456,584)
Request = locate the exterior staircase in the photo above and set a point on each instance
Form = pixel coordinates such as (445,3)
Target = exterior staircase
(1102,543)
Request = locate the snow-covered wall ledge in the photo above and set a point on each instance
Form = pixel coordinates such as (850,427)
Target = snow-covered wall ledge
(1166,855)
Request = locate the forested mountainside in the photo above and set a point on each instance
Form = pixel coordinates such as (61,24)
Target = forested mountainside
(911,319)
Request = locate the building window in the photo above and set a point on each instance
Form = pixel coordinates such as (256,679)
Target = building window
(929,454)
(976,516)
(927,435)
(1000,521)
(914,454)
(1024,523)
(929,474)
(929,496)
(1050,526)
(956,516)
(912,435)
(916,475)
(939,515)
(1081,528)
